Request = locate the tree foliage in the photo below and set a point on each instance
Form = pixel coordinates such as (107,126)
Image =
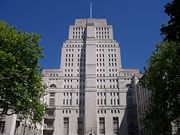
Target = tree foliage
(21,87)
(162,76)
(171,31)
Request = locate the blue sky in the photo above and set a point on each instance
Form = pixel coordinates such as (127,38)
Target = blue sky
(136,24)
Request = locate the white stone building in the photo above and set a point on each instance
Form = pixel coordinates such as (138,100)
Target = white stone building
(88,94)
(13,125)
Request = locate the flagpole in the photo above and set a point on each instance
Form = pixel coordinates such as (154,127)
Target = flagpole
(91,9)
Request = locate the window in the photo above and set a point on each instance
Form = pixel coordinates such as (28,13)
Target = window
(50,113)
(52,86)
(49,124)
(80,126)
(102,125)
(76,101)
(52,94)
(63,101)
(51,102)
(66,101)
(70,102)
(118,101)
(66,125)
(2,124)
(115,125)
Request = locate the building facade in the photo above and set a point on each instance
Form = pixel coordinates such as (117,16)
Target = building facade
(13,125)
(142,97)
(89,94)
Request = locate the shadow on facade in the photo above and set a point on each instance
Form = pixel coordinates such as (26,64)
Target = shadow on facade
(123,125)
(82,73)
(130,112)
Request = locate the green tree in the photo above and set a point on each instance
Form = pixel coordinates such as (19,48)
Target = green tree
(21,87)
(171,31)
(162,76)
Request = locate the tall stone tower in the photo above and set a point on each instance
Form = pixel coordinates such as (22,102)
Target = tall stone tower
(87,95)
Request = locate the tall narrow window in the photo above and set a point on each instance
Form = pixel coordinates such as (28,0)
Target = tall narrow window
(52,99)
(80,126)
(2,124)
(66,125)
(102,125)
(51,102)
(115,125)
